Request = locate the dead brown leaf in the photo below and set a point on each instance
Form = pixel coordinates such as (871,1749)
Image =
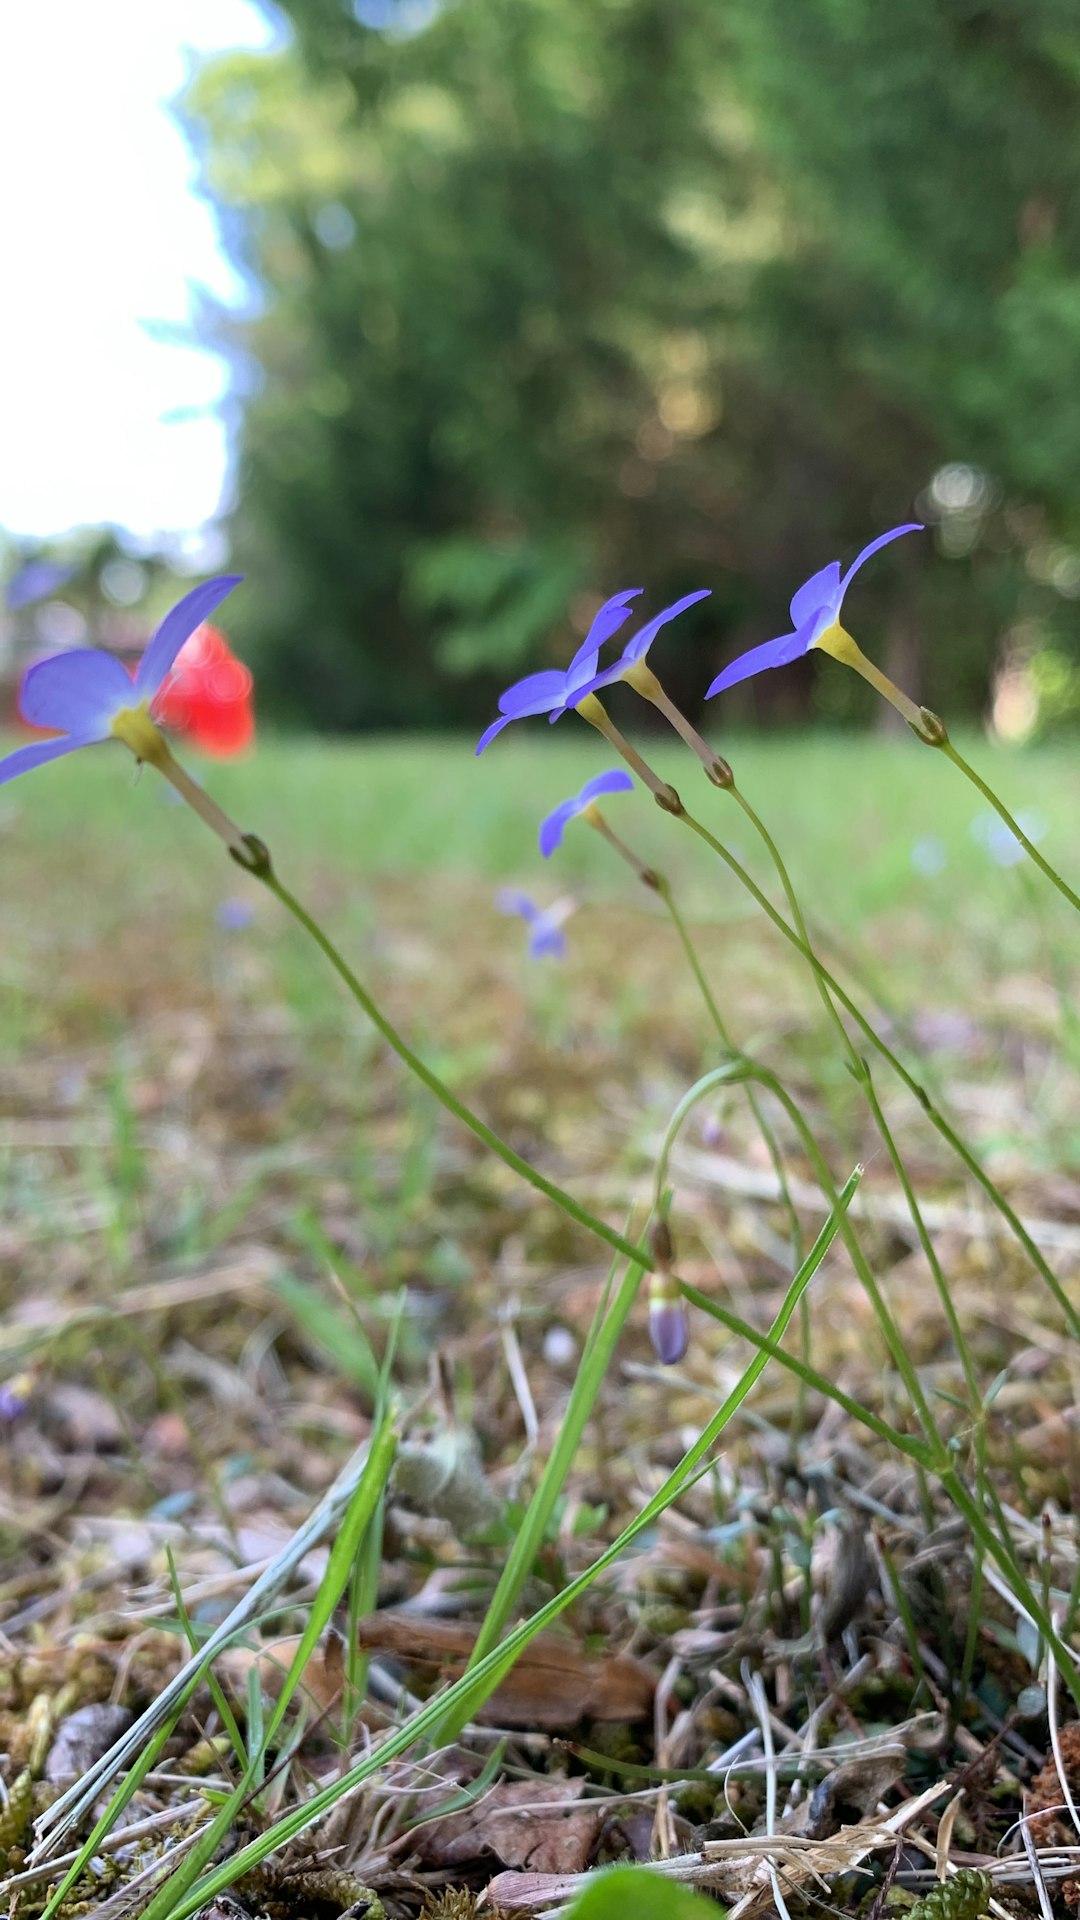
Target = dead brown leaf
(553,1685)
(540,1825)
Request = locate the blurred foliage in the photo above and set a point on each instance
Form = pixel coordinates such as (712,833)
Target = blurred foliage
(551,299)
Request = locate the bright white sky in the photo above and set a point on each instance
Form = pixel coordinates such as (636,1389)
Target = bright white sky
(101,232)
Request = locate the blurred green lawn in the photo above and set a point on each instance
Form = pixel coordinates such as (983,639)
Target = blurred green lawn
(99,860)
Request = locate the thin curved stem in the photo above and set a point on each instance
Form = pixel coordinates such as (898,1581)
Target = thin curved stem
(946,747)
(442,1093)
(772,1145)
(925,1241)
(863,1076)
(742,1068)
(930,1108)
(800,924)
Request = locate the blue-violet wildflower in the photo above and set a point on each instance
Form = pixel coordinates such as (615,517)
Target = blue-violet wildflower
(551,829)
(544,923)
(815,620)
(552,692)
(637,647)
(89,696)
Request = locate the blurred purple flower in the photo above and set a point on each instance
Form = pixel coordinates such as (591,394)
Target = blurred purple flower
(1000,841)
(234,914)
(814,609)
(85,692)
(14,1398)
(639,643)
(36,580)
(552,691)
(551,829)
(544,923)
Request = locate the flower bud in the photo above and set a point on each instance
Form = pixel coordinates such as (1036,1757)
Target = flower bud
(669,1327)
(932,731)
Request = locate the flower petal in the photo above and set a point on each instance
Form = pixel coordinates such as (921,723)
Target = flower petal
(178,626)
(771,653)
(575,695)
(546,939)
(537,693)
(26,758)
(552,828)
(615,780)
(77,692)
(489,733)
(511,900)
(821,590)
(608,621)
(638,646)
(910,526)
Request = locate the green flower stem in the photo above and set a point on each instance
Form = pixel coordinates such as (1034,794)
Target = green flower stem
(772,1145)
(741,1068)
(930,1108)
(199,801)
(862,1074)
(946,747)
(925,1241)
(800,926)
(258,863)
(906,1443)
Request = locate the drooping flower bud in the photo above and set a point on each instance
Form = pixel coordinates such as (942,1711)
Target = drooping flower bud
(669,1324)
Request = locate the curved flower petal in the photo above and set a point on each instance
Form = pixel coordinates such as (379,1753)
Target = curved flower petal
(535,694)
(554,826)
(547,939)
(489,733)
(575,696)
(883,539)
(821,590)
(638,646)
(178,626)
(771,653)
(26,758)
(608,621)
(78,692)
(615,780)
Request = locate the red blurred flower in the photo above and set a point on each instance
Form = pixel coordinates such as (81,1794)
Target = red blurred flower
(207,696)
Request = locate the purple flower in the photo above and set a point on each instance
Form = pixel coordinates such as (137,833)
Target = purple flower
(14,1398)
(544,923)
(234,914)
(85,693)
(552,692)
(638,645)
(551,830)
(814,609)
(669,1329)
(36,580)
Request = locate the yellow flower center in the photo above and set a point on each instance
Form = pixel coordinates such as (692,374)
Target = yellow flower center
(135,728)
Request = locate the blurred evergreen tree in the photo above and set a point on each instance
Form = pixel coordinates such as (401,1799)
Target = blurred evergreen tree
(556,299)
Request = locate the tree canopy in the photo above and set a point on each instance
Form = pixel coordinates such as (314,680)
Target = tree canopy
(551,300)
